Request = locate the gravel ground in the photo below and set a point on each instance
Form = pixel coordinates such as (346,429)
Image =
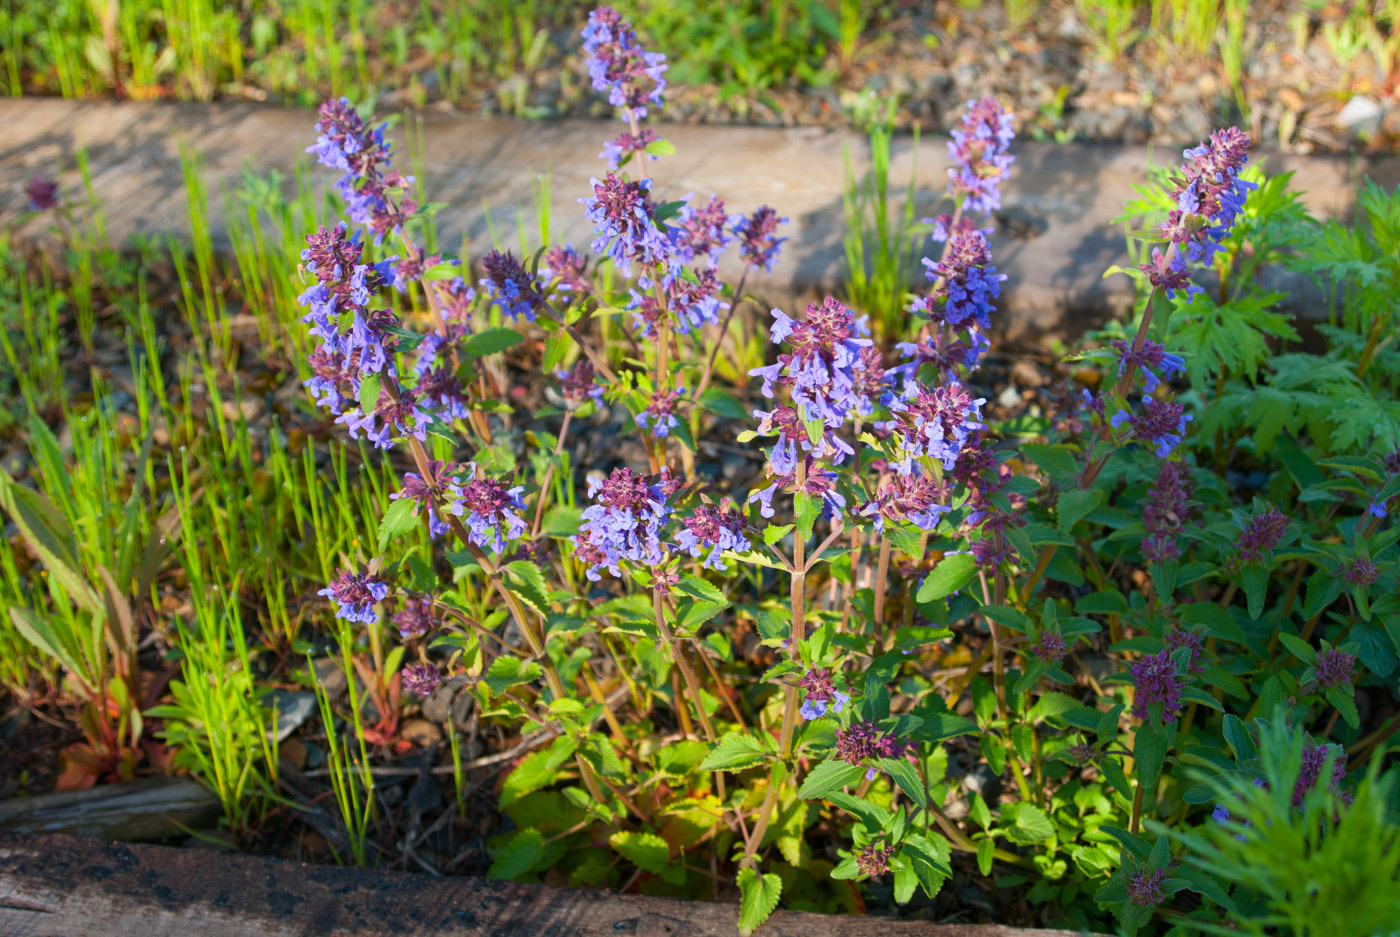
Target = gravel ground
(931,58)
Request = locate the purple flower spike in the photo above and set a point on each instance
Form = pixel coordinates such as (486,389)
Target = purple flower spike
(1148,359)
(979,150)
(820,371)
(1261,533)
(1360,571)
(491,507)
(932,423)
(702,231)
(355,595)
(710,530)
(1162,423)
(1177,638)
(415,619)
(1164,511)
(1334,668)
(964,284)
(577,384)
(436,493)
(1209,196)
(1145,888)
(758,240)
(42,193)
(569,267)
(659,417)
(623,523)
(914,497)
(625,144)
(1156,681)
(421,680)
(624,221)
(632,77)
(1050,648)
(1314,757)
(510,286)
(874,859)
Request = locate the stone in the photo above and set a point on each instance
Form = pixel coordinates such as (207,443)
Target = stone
(294,752)
(1361,117)
(331,675)
(293,707)
(250,408)
(420,732)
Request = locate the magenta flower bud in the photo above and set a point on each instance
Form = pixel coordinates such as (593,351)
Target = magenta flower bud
(1260,535)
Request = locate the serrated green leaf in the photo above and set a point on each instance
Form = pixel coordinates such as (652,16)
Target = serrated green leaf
(644,850)
(1074,505)
(490,341)
(526,580)
(506,672)
(734,752)
(758,896)
(396,521)
(952,573)
(829,776)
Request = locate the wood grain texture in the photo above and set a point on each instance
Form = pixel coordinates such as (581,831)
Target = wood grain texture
(58,886)
(153,808)
(1054,239)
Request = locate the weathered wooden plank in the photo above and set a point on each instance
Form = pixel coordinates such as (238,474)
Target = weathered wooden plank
(149,809)
(59,886)
(1054,240)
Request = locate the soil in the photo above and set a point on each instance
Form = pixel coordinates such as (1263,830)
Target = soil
(933,57)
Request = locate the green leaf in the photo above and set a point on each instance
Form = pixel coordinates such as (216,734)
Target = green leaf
(1058,461)
(506,672)
(734,752)
(396,521)
(1256,587)
(985,850)
(1135,845)
(1196,695)
(49,535)
(669,210)
(644,850)
(907,541)
(443,271)
(535,771)
(525,580)
(758,896)
(809,508)
(490,341)
(875,817)
(828,777)
(951,574)
(562,521)
(1074,505)
(1029,824)
(1008,616)
(722,402)
(37,632)
(369,393)
(930,857)
(1203,884)
(1150,750)
(660,148)
(773,533)
(1298,647)
(518,856)
(906,776)
(1344,704)
(1237,737)
(702,589)
(1052,704)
